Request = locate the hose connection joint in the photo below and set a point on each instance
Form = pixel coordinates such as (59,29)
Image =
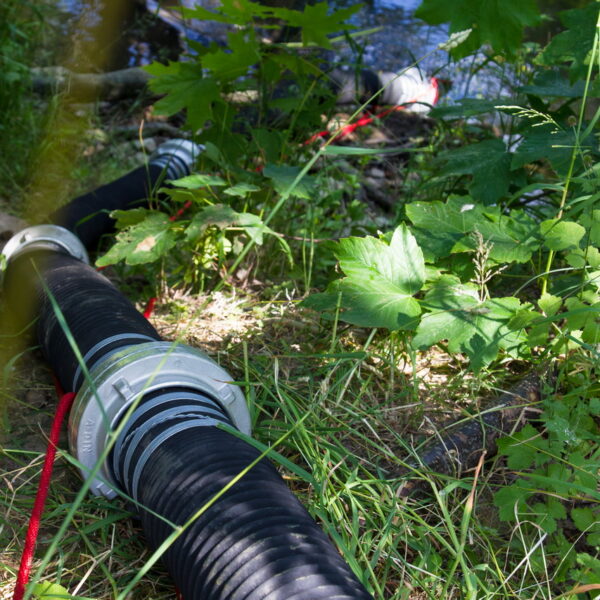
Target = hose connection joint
(176,157)
(44,237)
(119,385)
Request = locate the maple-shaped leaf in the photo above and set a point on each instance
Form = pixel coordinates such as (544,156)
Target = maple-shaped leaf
(456,314)
(380,283)
(499,23)
(185,87)
(234,61)
(511,500)
(234,12)
(574,45)
(141,242)
(522,448)
(317,22)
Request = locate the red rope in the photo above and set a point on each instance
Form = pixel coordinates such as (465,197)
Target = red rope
(149,307)
(368,119)
(64,405)
(180,211)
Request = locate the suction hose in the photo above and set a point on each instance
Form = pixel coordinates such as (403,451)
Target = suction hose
(88,216)
(173,454)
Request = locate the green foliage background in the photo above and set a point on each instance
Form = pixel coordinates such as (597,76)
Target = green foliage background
(491,257)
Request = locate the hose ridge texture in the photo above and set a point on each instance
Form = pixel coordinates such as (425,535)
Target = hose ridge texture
(257,542)
(92,306)
(88,216)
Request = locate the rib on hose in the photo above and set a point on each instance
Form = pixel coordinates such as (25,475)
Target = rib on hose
(96,313)
(250,541)
(255,542)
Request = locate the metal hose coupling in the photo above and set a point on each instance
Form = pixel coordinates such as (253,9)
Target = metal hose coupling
(176,157)
(43,237)
(162,384)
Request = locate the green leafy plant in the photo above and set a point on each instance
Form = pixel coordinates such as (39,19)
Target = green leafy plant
(511,258)
(499,24)
(247,144)
(381,281)
(556,480)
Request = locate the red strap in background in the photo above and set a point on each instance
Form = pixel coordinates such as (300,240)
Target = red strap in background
(180,211)
(64,405)
(368,118)
(149,307)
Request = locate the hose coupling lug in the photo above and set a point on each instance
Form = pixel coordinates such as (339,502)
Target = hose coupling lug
(123,378)
(44,237)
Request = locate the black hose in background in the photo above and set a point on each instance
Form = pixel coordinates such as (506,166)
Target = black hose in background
(88,216)
(351,87)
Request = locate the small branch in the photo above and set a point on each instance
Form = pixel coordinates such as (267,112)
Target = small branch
(114,85)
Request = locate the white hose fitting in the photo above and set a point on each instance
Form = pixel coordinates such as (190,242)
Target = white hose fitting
(44,237)
(177,157)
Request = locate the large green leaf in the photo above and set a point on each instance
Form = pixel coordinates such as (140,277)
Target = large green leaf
(369,260)
(376,304)
(497,22)
(456,314)
(442,229)
(317,21)
(575,44)
(185,87)
(142,242)
(489,164)
(381,280)
(561,235)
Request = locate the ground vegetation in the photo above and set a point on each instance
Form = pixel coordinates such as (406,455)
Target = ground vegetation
(366,292)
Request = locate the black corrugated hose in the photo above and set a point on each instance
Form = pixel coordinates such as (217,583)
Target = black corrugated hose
(256,542)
